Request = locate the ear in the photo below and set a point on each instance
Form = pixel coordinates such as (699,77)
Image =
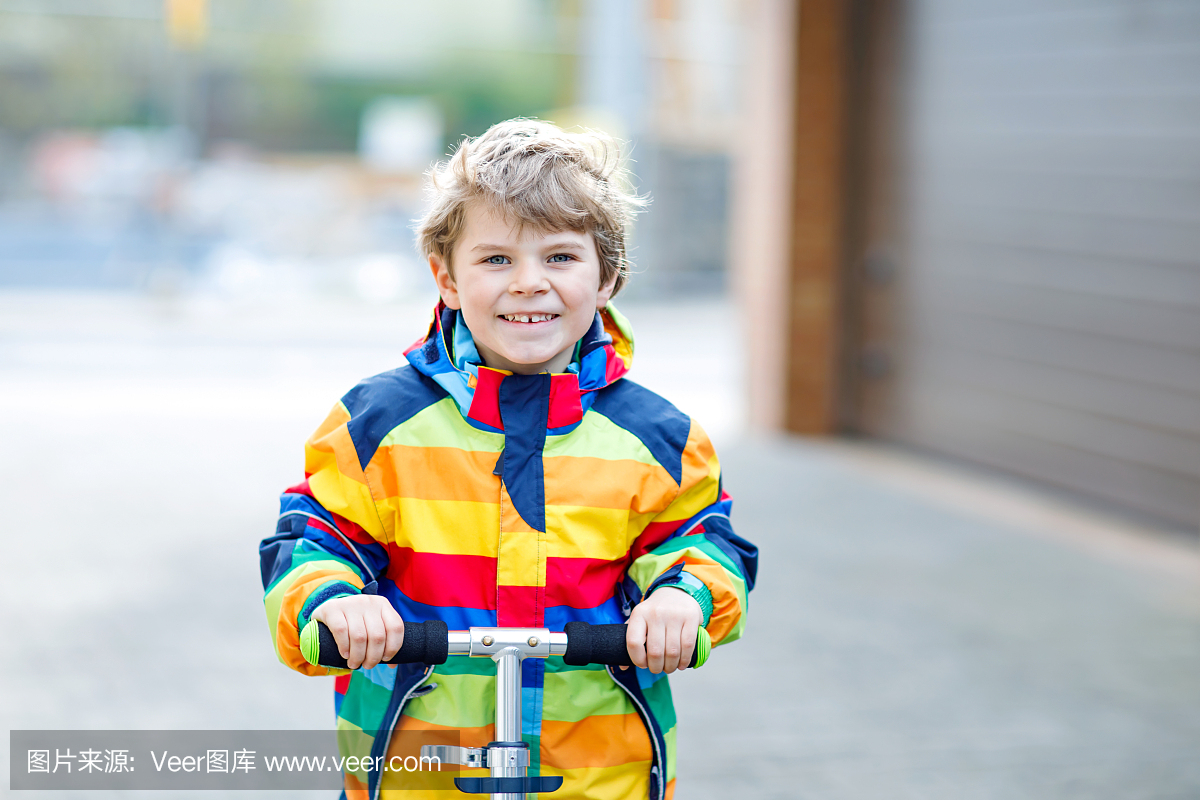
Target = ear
(605,292)
(447,288)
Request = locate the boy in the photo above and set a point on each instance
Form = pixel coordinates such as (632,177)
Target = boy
(508,475)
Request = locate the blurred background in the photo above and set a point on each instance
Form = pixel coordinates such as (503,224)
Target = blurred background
(170,148)
(927,270)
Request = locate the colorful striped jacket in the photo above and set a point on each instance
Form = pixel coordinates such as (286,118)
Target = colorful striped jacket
(481,498)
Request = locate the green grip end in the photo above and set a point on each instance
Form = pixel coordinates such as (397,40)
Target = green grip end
(703,646)
(310,643)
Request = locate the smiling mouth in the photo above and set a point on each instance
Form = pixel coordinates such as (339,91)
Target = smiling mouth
(528,318)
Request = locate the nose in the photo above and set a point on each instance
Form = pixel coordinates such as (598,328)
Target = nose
(529,278)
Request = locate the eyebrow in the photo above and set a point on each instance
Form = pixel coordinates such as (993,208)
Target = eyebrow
(563,245)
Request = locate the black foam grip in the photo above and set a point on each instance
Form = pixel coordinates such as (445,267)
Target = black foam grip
(424,643)
(599,644)
(596,644)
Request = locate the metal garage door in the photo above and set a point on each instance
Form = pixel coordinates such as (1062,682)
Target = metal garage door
(1047,245)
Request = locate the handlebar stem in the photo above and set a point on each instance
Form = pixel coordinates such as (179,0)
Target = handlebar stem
(530,642)
(508,695)
(508,709)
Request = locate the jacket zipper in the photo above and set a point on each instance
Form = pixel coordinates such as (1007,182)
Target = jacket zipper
(392,724)
(660,762)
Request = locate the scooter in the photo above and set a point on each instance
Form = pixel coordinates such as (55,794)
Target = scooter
(507,758)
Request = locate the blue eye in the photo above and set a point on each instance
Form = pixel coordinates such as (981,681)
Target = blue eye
(498,260)
(554,259)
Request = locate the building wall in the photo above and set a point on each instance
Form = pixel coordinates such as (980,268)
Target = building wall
(1047,247)
(975,228)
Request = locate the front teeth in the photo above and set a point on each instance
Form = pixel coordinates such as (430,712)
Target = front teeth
(529,317)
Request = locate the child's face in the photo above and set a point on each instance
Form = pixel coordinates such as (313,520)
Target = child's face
(498,273)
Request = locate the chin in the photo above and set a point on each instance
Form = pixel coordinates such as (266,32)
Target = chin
(527,353)
(526,360)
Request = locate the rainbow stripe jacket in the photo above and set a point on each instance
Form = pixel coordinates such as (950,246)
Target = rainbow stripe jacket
(482,498)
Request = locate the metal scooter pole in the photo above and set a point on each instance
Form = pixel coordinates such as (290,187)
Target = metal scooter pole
(508,720)
(507,758)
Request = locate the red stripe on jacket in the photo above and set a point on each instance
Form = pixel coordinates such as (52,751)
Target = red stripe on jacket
(438,579)
(582,582)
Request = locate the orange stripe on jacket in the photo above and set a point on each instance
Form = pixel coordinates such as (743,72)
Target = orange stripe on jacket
(603,483)
(602,740)
(435,473)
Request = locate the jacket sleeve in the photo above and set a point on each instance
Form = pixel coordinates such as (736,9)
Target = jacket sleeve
(700,553)
(328,541)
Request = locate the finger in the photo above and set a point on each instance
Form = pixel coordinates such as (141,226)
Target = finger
(357,631)
(635,639)
(672,636)
(395,633)
(335,620)
(688,643)
(655,647)
(376,637)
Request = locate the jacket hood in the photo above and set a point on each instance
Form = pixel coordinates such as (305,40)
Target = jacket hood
(447,354)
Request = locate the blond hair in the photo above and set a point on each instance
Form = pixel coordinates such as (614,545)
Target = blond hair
(537,175)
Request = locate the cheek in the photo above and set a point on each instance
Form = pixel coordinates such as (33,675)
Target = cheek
(477,296)
(478,317)
(582,319)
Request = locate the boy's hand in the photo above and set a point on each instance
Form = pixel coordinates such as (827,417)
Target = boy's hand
(365,626)
(662,630)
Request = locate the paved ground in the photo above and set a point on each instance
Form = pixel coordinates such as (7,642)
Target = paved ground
(918,632)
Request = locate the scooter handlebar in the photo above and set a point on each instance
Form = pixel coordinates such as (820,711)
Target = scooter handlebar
(428,643)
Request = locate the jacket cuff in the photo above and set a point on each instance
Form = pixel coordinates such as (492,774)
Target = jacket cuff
(694,587)
(326,591)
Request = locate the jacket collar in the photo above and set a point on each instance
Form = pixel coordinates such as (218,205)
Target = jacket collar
(447,354)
